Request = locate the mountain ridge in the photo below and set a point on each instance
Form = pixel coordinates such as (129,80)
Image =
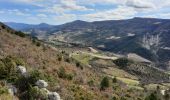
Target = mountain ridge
(145,36)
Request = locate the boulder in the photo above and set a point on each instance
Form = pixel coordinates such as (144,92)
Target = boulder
(41,84)
(53,96)
(12,89)
(22,69)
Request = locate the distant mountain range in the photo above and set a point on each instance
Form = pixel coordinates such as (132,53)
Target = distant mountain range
(147,37)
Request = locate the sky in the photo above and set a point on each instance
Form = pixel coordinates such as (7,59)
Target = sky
(62,11)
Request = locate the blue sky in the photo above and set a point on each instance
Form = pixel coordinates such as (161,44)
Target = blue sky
(62,11)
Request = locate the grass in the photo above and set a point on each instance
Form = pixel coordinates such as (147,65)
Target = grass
(154,86)
(135,87)
(119,73)
(6,97)
(128,81)
(82,58)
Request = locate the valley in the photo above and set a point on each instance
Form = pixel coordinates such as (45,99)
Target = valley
(75,69)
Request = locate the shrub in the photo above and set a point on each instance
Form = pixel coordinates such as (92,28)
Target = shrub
(114,80)
(69,76)
(67,60)
(59,58)
(3,26)
(38,94)
(36,75)
(62,74)
(152,96)
(77,64)
(19,61)
(23,83)
(91,83)
(122,62)
(114,98)
(104,83)
(19,33)
(3,72)
(38,44)
(3,90)
(8,69)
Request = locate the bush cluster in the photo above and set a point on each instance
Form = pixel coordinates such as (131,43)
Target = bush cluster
(122,62)
(19,33)
(8,69)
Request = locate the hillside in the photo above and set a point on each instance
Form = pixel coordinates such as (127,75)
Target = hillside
(147,37)
(74,75)
(49,62)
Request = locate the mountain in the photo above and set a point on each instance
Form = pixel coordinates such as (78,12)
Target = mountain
(147,37)
(39,30)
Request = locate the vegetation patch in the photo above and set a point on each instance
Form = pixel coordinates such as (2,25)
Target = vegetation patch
(82,58)
(129,81)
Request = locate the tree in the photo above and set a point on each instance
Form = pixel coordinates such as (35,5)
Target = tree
(104,83)
(114,80)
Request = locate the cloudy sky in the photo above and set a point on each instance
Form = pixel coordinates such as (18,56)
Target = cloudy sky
(62,11)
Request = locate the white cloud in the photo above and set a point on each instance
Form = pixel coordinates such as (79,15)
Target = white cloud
(60,11)
(63,6)
(65,18)
(72,5)
(27,1)
(42,15)
(121,12)
(140,4)
(16,12)
(103,2)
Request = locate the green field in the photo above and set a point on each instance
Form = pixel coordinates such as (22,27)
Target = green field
(82,58)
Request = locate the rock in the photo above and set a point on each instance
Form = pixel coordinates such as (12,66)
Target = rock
(41,84)
(22,69)
(163,92)
(54,96)
(12,90)
(47,91)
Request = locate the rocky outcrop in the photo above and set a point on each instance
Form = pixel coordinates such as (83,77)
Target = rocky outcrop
(51,95)
(151,42)
(40,84)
